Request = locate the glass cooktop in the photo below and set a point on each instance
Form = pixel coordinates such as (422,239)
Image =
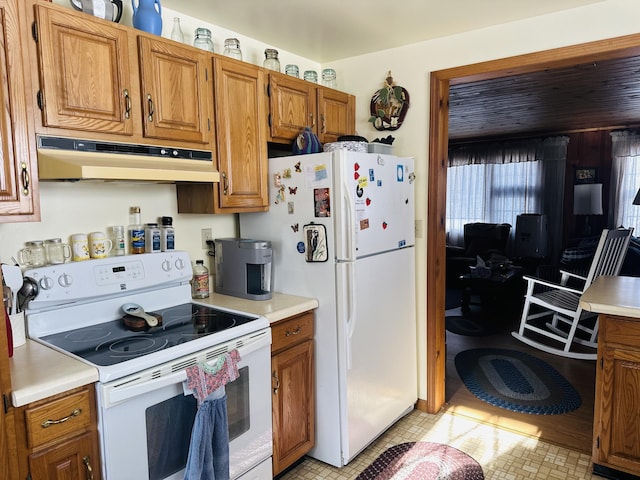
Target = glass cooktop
(130,337)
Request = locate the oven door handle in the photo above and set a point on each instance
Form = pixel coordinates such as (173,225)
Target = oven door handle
(127,388)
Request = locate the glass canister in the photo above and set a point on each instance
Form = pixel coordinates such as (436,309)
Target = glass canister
(271,59)
(203,39)
(311,76)
(292,70)
(33,255)
(232,48)
(329,78)
(57,252)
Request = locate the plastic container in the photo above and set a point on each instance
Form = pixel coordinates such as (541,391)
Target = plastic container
(152,238)
(167,235)
(118,240)
(200,281)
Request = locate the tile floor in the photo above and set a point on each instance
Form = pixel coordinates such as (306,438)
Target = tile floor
(504,455)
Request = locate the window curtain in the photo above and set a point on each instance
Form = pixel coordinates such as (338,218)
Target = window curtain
(497,182)
(625,179)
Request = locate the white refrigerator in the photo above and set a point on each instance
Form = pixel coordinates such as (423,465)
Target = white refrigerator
(341,225)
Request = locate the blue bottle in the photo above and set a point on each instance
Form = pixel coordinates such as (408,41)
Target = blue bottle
(147,16)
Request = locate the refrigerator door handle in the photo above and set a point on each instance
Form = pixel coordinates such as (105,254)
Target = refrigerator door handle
(346,237)
(351,308)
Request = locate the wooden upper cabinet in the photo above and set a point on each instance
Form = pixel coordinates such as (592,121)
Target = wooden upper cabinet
(241,135)
(85,80)
(176,91)
(336,114)
(19,196)
(292,106)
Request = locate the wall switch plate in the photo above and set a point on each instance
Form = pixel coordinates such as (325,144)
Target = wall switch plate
(206,234)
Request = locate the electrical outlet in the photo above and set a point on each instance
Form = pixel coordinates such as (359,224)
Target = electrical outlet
(206,234)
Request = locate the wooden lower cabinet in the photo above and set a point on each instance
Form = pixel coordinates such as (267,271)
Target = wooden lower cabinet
(293,389)
(616,421)
(57,437)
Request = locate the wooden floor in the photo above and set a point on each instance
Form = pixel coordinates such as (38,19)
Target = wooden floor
(572,430)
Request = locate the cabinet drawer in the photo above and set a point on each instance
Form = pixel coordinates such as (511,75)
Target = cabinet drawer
(57,418)
(291,331)
(619,330)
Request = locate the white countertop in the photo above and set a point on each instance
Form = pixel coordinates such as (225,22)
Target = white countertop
(613,296)
(38,371)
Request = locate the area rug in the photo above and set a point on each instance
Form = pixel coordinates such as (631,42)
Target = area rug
(422,461)
(469,327)
(516,381)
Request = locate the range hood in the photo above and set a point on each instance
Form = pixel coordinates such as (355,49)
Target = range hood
(71,159)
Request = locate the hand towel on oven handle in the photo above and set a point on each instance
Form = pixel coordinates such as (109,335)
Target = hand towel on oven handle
(208,457)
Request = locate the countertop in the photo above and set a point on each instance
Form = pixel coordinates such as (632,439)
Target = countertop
(38,371)
(614,296)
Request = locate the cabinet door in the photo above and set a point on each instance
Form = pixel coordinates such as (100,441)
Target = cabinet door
(84,73)
(293,404)
(617,419)
(241,136)
(292,106)
(77,458)
(176,91)
(336,114)
(18,173)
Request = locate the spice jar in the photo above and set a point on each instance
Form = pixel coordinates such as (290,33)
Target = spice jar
(232,48)
(271,59)
(203,39)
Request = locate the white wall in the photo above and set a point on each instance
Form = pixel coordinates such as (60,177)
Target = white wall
(411,66)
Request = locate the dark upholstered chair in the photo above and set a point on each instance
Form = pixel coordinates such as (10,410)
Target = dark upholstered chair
(480,239)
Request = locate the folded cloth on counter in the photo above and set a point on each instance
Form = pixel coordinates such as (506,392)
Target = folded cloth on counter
(208,457)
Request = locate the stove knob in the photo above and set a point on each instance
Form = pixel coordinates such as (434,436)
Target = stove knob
(46,283)
(166,265)
(179,263)
(65,280)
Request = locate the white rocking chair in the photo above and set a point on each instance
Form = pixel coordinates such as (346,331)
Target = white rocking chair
(560,301)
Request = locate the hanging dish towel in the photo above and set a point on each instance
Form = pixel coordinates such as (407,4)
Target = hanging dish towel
(208,457)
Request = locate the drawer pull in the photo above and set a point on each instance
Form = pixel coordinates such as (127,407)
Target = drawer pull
(277,382)
(87,465)
(288,333)
(48,423)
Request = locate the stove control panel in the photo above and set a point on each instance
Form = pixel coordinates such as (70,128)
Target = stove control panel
(78,281)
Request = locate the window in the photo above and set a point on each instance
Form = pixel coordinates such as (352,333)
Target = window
(497,182)
(625,179)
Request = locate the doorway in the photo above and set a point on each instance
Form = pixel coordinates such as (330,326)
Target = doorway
(440,82)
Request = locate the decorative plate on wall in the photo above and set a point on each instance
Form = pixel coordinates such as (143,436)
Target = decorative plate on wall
(389,105)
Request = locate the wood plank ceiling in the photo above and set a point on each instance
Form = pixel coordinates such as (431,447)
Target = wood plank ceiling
(590,96)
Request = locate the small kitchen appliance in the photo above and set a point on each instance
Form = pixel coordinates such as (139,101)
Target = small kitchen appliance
(243,268)
(145,415)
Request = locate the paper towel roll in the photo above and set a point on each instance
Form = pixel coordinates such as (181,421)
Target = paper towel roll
(18,329)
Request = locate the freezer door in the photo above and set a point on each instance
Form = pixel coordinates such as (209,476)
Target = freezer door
(375,204)
(377,335)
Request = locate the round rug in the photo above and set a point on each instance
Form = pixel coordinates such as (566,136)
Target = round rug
(468,327)
(423,461)
(516,381)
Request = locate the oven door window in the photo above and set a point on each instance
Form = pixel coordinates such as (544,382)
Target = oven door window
(169,424)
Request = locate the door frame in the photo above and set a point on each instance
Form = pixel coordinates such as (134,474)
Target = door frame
(619,47)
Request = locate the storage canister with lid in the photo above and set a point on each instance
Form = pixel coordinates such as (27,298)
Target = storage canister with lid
(167,235)
(152,238)
(271,59)
(203,39)
(232,48)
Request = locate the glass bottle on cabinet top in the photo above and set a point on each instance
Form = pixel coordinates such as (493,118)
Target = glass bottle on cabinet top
(311,76)
(176,33)
(292,70)
(232,48)
(203,39)
(271,59)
